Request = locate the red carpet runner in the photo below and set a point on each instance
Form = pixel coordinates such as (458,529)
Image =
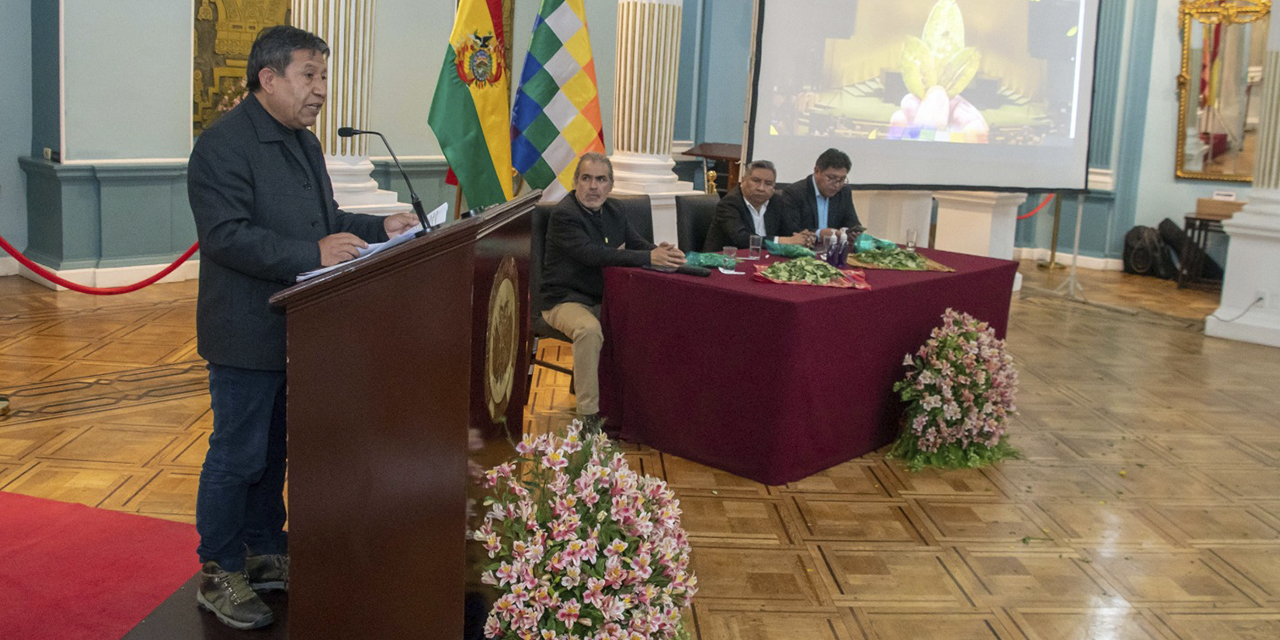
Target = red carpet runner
(71,572)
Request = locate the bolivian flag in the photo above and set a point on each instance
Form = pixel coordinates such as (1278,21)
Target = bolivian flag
(470,109)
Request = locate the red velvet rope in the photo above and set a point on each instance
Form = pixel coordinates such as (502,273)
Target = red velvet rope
(1037,209)
(97,291)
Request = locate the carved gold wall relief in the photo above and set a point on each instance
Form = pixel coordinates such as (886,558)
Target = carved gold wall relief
(224,33)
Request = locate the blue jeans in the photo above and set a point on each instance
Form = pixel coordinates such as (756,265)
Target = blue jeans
(240,503)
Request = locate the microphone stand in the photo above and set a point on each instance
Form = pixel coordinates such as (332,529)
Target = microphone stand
(347,132)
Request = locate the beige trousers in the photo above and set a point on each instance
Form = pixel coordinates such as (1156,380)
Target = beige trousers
(582,324)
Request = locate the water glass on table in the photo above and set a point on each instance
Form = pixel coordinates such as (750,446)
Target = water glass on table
(911,240)
(821,244)
(756,243)
(729,252)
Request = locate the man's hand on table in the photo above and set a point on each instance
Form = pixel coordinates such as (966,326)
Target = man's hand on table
(666,255)
(804,238)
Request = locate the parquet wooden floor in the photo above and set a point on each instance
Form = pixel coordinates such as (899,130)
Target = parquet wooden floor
(1147,507)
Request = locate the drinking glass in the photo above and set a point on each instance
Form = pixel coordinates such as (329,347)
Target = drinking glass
(730,252)
(821,245)
(756,242)
(911,239)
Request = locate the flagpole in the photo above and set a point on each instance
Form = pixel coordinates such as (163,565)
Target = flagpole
(457,203)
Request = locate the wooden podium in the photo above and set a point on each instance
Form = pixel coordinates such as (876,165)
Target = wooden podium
(387,360)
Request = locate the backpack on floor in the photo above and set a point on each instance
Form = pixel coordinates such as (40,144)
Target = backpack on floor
(1145,254)
(1177,239)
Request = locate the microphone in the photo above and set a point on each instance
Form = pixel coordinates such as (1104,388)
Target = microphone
(347,132)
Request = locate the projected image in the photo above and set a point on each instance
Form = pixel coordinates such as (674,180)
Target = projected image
(962,71)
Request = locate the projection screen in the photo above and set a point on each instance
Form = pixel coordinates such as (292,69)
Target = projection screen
(927,94)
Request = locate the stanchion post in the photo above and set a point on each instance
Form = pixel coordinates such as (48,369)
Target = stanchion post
(1053,245)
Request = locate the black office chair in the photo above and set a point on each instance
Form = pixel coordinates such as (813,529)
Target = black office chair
(538,327)
(639,212)
(694,214)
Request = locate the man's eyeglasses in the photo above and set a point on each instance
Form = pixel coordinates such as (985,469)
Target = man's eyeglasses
(835,179)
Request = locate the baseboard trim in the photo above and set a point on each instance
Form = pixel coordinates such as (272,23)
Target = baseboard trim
(1084,262)
(112,276)
(1254,326)
(8,267)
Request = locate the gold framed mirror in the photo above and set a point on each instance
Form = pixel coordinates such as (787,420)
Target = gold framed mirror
(1224,44)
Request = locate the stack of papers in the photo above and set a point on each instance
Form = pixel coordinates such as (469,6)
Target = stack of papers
(436,218)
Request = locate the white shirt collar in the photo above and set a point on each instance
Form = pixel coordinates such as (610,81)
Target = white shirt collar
(757,216)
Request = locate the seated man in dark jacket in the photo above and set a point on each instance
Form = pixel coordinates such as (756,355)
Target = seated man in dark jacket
(822,202)
(752,208)
(586,233)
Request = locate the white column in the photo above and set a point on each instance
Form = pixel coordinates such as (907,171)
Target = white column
(889,215)
(644,104)
(981,223)
(1253,258)
(347,26)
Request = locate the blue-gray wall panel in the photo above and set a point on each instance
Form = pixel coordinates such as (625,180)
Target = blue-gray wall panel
(41,65)
(15,116)
(428,181)
(63,226)
(686,92)
(139,218)
(410,39)
(726,56)
(1106,82)
(1157,194)
(128,84)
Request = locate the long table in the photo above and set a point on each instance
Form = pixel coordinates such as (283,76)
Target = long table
(776,382)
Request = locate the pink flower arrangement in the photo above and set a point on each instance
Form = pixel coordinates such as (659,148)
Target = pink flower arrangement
(959,393)
(583,548)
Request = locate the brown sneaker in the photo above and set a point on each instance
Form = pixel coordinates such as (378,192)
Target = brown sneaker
(228,595)
(268,573)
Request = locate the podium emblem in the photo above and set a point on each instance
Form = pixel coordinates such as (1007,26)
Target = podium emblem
(502,339)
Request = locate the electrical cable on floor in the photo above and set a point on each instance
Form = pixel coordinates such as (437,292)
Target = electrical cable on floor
(1247,310)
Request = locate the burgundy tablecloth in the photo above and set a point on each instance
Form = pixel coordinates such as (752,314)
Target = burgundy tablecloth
(776,382)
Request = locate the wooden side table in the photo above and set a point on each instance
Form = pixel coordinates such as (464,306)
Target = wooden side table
(724,155)
(1191,262)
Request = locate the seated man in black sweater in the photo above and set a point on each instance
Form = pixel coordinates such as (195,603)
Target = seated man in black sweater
(752,208)
(586,233)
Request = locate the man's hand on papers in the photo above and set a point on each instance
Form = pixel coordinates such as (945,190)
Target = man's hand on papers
(340,247)
(399,223)
(665,255)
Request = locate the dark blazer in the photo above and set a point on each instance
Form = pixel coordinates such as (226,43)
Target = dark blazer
(733,226)
(580,243)
(801,204)
(260,210)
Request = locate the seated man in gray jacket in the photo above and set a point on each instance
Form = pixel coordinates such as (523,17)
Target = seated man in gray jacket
(586,233)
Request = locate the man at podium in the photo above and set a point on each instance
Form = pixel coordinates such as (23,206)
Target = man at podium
(586,233)
(264,212)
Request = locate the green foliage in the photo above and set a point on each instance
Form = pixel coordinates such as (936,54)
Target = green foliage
(810,270)
(959,391)
(894,258)
(950,456)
